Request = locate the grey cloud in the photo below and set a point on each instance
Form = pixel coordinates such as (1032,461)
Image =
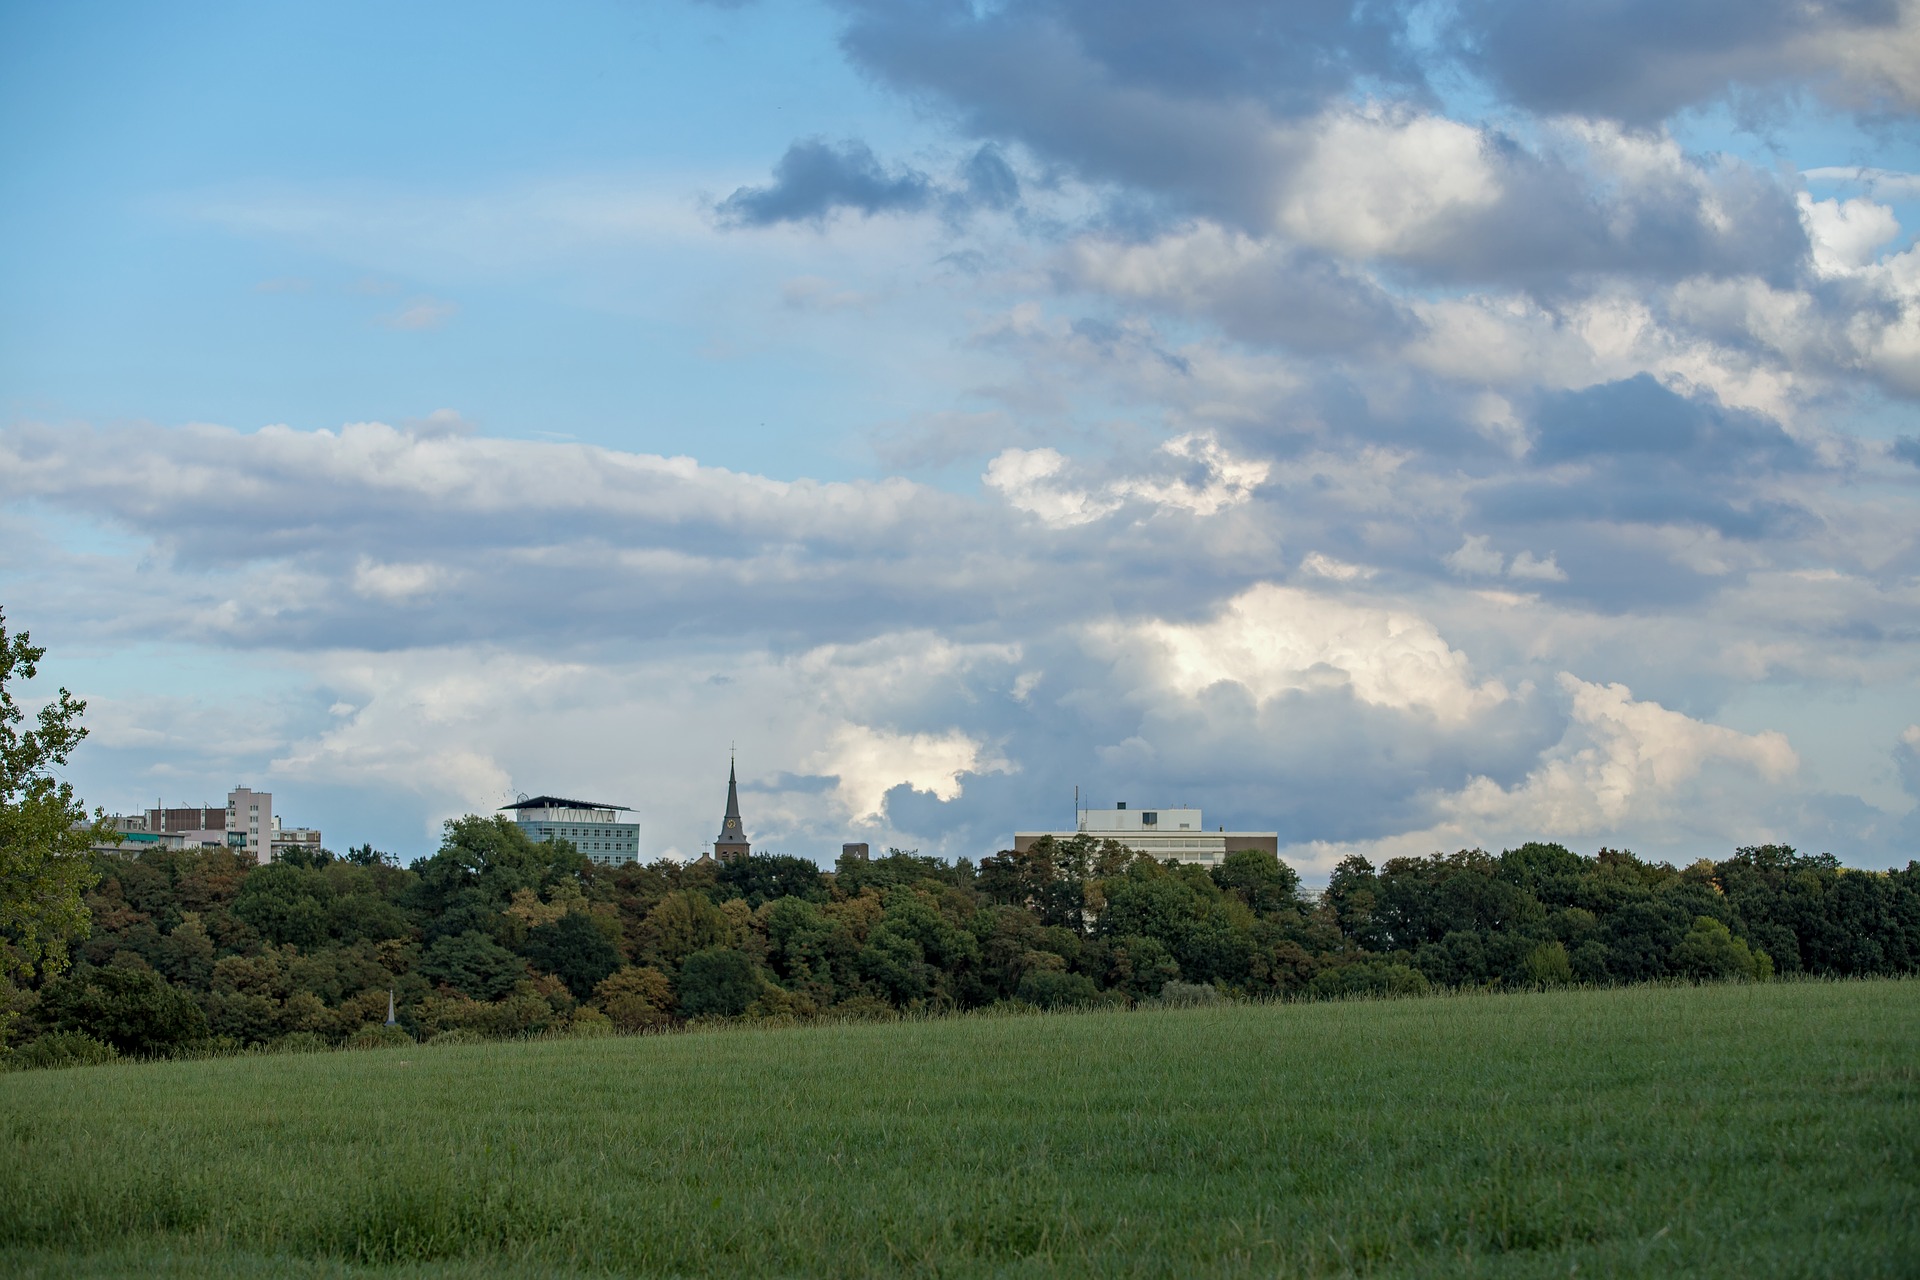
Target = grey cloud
(1555,223)
(990,181)
(815,178)
(1639,61)
(1907,449)
(1634,452)
(1639,417)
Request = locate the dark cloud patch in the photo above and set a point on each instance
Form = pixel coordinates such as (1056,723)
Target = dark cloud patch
(1639,418)
(990,181)
(1907,449)
(1555,226)
(1623,499)
(815,178)
(1633,453)
(1292,57)
(1639,61)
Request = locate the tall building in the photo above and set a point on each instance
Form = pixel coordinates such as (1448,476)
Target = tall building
(732,841)
(595,829)
(1163,834)
(250,822)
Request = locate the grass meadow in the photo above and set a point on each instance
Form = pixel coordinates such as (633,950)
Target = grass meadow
(1768,1130)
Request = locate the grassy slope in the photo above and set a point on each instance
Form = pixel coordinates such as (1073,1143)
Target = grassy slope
(1734,1130)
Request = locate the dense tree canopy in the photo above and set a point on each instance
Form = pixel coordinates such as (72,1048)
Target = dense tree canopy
(44,834)
(495,935)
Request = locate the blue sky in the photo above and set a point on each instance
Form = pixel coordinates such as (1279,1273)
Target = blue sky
(1406,426)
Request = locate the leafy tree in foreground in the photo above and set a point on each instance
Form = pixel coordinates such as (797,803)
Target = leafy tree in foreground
(134,1010)
(573,950)
(719,980)
(473,964)
(44,835)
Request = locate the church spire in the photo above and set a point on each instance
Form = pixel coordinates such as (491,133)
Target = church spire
(732,841)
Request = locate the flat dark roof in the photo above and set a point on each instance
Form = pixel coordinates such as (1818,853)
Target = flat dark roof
(561,802)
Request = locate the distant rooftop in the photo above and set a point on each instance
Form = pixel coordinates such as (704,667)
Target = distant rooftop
(561,802)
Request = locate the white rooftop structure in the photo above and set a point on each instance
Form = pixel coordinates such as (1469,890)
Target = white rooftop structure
(1178,834)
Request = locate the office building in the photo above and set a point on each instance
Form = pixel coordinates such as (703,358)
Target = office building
(1162,834)
(594,829)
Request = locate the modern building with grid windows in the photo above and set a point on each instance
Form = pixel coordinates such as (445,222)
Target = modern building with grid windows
(595,829)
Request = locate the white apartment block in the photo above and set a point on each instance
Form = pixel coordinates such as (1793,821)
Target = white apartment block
(250,822)
(1161,834)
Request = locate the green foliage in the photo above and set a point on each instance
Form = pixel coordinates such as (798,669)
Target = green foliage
(1054,989)
(1186,995)
(719,981)
(1370,978)
(495,936)
(474,965)
(44,833)
(683,923)
(64,1049)
(1710,951)
(133,1009)
(1548,964)
(761,878)
(637,999)
(286,904)
(1266,884)
(378,1036)
(573,950)
(302,1042)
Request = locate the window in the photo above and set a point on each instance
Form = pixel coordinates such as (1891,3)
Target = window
(1149,819)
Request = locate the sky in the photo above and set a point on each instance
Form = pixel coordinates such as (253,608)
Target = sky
(1405,426)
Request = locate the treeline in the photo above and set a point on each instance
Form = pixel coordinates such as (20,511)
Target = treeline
(496,936)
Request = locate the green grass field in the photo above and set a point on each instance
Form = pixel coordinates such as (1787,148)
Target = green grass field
(1739,1131)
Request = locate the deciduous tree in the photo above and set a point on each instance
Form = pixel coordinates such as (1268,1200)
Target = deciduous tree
(44,833)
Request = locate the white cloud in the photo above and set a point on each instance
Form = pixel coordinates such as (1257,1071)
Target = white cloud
(1272,640)
(1622,761)
(1622,767)
(868,762)
(1031,480)
(397,583)
(1377,183)
(1526,566)
(1324,566)
(1475,557)
(1027,479)
(1846,234)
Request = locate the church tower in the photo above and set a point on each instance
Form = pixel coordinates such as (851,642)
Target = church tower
(732,841)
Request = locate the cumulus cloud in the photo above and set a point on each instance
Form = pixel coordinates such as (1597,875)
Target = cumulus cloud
(1274,639)
(1621,760)
(867,763)
(1622,766)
